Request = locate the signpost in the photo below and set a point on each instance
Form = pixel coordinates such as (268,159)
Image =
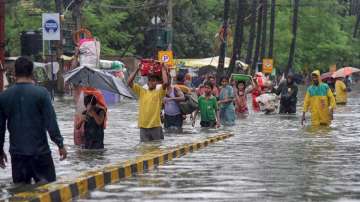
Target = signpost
(167,58)
(51,32)
(267,65)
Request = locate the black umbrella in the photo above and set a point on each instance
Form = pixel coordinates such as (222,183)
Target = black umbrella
(90,77)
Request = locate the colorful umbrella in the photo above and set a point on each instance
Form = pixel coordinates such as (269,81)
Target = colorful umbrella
(346,71)
(326,76)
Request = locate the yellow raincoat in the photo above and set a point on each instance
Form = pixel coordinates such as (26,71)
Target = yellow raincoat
(341,94)
(319,99)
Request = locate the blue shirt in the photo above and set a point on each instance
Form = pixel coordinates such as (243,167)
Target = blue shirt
(227,92)
(29,114)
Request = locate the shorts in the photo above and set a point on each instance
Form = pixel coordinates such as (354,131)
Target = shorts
(208,124)
(150,134)
(25,168)
(173,121)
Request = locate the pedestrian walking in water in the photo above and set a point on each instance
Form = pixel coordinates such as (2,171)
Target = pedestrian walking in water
(208,107)
(215,89)
(173,118)
(29,115)
(341,91)
(241,99)
(93,119)
(320,101)
(150,103)
(288,95)
(227,108)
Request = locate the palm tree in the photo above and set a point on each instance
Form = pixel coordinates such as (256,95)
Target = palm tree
(357,24)
(264,26)
(250,44)
(293,41)
(272,29)
(220,68)
(258,39)
(239,32)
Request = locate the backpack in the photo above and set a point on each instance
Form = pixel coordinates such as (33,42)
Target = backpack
(190,104)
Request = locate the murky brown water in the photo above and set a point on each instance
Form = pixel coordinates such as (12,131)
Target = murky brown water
(270,158)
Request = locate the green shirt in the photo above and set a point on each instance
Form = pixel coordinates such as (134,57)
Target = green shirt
(208,108)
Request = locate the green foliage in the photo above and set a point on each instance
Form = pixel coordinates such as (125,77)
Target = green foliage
(324,29)
(20,18)
(324,37)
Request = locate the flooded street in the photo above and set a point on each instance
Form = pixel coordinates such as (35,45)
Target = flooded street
(270,158)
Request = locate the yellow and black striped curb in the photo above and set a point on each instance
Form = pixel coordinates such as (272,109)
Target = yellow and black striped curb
(65,190)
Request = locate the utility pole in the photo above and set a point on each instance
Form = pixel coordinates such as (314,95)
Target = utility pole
(60,48)
(169,23)
(2,43)
(220,68)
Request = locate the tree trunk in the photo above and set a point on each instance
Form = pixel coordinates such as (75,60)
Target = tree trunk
(250,44)
(60,50)
(220,69)
(238,38)
(357,24)
(272,29)
(264,29)
(258,39)
(293,41)
(2,42)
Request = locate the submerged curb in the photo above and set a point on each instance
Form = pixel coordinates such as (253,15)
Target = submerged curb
(65,190)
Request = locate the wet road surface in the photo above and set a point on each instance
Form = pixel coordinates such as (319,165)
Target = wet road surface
(270,158)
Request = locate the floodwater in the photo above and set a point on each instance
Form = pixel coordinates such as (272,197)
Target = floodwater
(270,158)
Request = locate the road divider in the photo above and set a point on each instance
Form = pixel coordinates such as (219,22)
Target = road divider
(65,190)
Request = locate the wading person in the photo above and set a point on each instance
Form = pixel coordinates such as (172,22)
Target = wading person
(208,107)
(93,119)
(173,117)
(150,102)
(288,95)
(341,92)
(180,84)
(320,100)
(241,99)
(226,99)
(29,115)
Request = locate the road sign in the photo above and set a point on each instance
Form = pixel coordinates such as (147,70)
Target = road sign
(267,65)
(51,26)
(166,57)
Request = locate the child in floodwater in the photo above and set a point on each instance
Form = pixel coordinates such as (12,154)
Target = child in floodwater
(241,99)
(209,110)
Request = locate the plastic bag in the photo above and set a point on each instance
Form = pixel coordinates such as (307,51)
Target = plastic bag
(90,53)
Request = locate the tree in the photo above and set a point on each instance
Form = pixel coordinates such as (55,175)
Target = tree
(250,44)
(258,39)
(238,38)
(357,24)
(293,41)
(220,68)
(272,28)
(264,29)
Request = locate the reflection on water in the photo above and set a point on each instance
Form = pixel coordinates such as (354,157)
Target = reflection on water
(270,158)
